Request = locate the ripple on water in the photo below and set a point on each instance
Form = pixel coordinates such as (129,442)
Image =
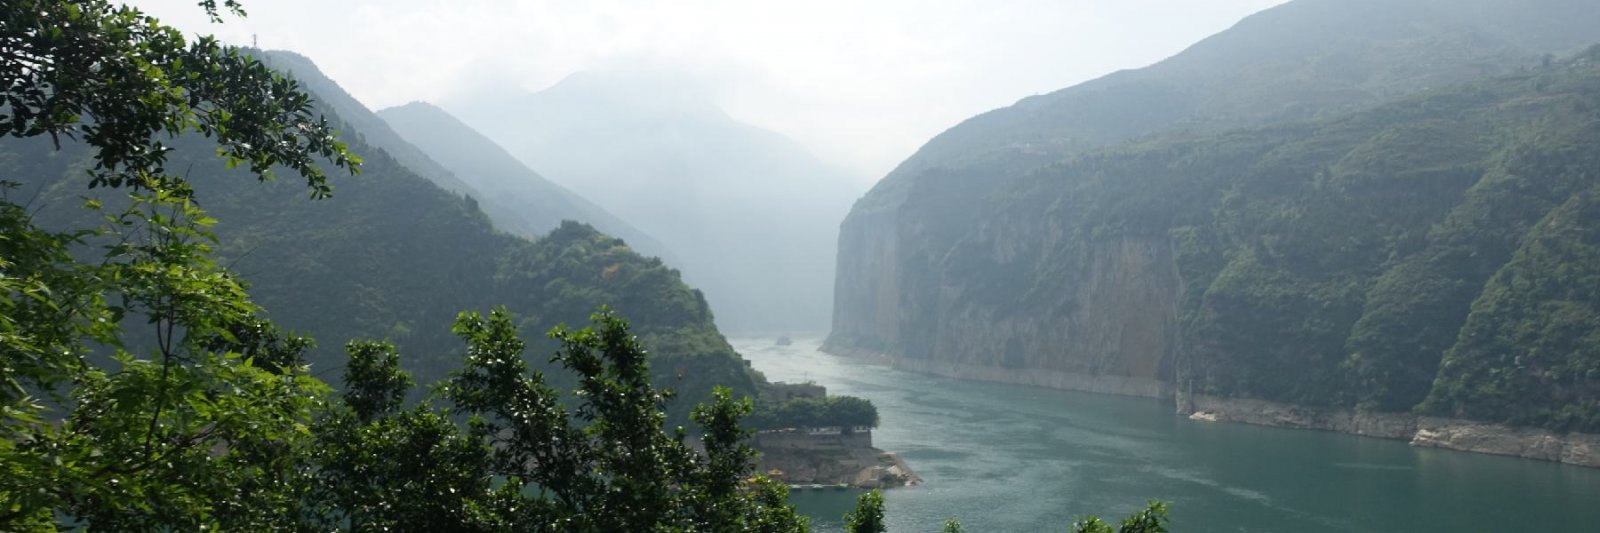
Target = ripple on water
(1374,466)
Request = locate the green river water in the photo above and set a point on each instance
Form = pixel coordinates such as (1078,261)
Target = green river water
(1007,458)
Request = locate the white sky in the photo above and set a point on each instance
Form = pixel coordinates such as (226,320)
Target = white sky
(861,83)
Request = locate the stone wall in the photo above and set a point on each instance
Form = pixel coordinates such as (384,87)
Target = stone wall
(782,392)
(803,440)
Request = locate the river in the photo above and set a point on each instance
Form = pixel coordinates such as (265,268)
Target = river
(1005,458)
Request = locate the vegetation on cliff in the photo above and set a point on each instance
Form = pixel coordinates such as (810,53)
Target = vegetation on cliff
(1428,247)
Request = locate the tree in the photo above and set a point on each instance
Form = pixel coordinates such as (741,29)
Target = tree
(1153,519)
(200,426)
(852,411)
(617,468)
(441,484)
(197,425)
(867,517)
(832,411)
(117,79)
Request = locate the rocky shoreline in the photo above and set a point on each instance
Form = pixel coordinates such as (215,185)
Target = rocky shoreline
(1581,449)
(832,461)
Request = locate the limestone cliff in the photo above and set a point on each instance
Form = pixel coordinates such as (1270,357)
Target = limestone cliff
(866,304)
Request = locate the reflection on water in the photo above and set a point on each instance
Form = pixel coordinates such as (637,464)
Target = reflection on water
(1011,458)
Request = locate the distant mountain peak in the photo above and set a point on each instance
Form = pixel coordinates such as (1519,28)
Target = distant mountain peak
(644,93)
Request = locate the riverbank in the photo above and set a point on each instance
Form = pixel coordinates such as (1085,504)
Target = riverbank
(1581,449)
(1118,385)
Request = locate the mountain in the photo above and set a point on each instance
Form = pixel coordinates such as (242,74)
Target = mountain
(516,199)
(1308,208)
(539,204)
(360,122)
(1298,61)
(750,215)
(393,255)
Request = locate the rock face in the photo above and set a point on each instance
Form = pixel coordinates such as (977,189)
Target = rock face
(1264,413)
(800,457)
(1110,324)
(1573,448)
(866,300)
(1113,327)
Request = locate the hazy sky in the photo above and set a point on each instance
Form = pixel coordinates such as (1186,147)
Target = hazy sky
(861,83)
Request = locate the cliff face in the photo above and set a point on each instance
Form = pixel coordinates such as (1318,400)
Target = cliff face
(866,304)
(1114,314)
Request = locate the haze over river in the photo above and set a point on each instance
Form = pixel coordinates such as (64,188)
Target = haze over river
(1005,458)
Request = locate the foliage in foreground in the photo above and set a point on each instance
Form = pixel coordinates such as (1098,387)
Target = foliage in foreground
(522,460)
(868,517)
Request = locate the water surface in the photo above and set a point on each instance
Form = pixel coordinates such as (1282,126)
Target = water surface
(1012,458)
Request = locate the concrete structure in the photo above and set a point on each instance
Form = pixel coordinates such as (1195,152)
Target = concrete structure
(782,392)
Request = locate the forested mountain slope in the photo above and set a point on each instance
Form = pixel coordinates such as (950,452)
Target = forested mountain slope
(392,255)
(1302,60)
(538,203)
(1433,253)
(750,216)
